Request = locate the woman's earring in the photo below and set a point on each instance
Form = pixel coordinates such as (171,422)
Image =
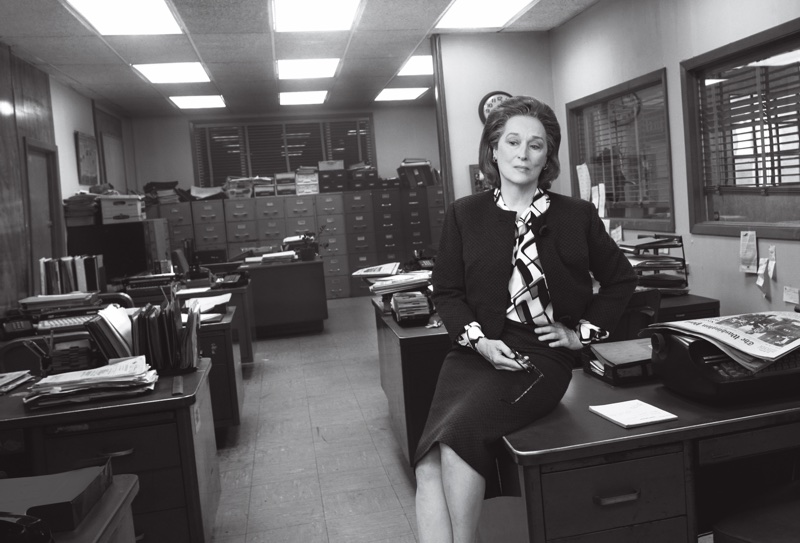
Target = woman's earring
(494,158)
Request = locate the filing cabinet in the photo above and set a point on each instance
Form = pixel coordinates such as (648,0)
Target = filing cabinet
(209,225)
(329,204)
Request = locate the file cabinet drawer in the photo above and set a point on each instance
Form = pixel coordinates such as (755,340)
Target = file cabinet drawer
(300,225)
(270,208)
(241,231)
(361,243)
(435,196)
(206,234)
(359,222)
(337,286)
(357,202)
(333,224)
(358,261)
(335,265)
(436,216)
(336,245)
(300,206)
(329,204)
(391,256)
(414,199)
(131,450)
(178,233)
(211,211)
(416,218)
(386,200)
(388,221)
(180,213)
(389,241)
(271,229)
(614,495)
(358,287)
(417,240)
(243,209)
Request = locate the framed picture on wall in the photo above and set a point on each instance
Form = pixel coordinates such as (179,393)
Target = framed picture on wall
(86,149)
(479,182)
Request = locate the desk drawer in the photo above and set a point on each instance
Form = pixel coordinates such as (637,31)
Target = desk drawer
(663,531)
(614,495)
(131,449)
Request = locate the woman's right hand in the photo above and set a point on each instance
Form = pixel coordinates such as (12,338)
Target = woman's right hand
(500,355)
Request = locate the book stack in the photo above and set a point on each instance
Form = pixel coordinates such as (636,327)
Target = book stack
(80,209)
(122,378)
(410,307)
(82,273)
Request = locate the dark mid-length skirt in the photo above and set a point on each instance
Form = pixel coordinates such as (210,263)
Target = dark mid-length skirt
(472,406)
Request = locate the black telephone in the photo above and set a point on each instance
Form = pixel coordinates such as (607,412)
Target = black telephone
(232,280)
(16,328)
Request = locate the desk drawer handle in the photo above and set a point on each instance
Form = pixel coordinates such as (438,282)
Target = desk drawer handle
(605,501)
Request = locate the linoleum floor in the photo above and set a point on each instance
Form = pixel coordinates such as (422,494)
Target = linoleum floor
(314,459)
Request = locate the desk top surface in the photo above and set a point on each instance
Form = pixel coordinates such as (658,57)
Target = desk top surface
(571,431)
(14,415)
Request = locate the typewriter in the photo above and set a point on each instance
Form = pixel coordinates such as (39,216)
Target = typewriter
(696,368)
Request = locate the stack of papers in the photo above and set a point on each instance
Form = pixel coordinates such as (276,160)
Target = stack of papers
(410,305)
(383,270)
(9,381)
(402,282)
(632,413)
(122,377)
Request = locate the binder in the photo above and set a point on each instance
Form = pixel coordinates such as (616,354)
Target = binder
(620,362)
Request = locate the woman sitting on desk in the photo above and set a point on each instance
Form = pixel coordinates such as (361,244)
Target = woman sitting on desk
(513,286)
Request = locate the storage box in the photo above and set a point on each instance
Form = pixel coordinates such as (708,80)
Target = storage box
(121,208)
(327,165)
(286,188)
(306,179)
(308,188)
(285,178)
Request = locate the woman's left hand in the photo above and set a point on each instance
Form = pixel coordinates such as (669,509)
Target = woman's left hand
(558,335)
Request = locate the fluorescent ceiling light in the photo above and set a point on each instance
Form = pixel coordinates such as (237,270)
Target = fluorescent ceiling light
(314,15)
(418,65)
(480,14)
(173,72)
(783,59)
(304,97)
(411,93)
(198,102)
(128,17)
(308,68)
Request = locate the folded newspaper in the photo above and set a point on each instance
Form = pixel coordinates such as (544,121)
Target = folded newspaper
(754,340)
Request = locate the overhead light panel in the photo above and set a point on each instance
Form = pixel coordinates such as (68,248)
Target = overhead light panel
(314,15)
(411,93)
(303,98)
(307,68)
(473,14)
(173,72)
(128,17)
(198,102)
(418,65)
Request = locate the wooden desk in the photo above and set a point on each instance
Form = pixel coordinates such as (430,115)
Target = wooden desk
(587,479)
(411,357)
(111,519)
(288,298)
(214,340)
(167,441)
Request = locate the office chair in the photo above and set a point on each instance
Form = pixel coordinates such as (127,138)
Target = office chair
(774,519)
(120,298)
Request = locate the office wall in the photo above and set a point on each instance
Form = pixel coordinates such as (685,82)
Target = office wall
(163,145)
(404,132)
(473,66)
(617,40)
(71,112)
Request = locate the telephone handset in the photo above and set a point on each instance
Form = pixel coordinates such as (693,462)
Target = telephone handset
(17,328)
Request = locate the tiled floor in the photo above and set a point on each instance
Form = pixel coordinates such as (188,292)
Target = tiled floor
(314,459)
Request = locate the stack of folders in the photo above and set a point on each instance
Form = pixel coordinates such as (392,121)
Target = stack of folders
(402,282)
(121,378)
(158,334)
(111,331)
(620,362)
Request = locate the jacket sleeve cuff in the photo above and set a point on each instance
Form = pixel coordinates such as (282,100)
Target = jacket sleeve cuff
(589,333)
(470,336)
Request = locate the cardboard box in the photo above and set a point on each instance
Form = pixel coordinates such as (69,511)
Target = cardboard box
(306,179)
(307,188)
(121,208)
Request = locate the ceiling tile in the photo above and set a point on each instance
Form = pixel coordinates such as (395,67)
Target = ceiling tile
(241,71)
(370,67)
(292,45)
(105,74)
(234,47)
(547,14)
(68,50)
(405,15)
(387,43)
(153,49)
(224,16)
(39,18)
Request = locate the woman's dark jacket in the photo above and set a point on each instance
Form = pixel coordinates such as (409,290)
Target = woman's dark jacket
(473,265)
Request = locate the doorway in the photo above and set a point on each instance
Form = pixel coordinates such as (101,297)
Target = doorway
(44,215)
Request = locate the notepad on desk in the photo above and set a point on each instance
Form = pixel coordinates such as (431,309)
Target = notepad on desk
(632,413)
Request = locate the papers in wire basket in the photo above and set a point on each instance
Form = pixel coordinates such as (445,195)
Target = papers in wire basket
(632,413)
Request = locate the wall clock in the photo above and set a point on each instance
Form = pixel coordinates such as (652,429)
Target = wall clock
(489,102)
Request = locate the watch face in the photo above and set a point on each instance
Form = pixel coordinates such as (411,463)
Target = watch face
(489,102)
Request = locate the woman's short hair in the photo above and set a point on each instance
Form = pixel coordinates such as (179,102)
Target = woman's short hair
(495,124)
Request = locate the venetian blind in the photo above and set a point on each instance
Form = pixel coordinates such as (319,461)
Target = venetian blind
(749,126)
(264,149)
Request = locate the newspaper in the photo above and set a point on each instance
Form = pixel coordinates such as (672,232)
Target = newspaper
(755,340)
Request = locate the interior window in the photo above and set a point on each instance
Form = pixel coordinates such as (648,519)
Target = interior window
(742,124)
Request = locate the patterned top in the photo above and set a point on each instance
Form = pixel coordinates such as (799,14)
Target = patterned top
(530,299)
